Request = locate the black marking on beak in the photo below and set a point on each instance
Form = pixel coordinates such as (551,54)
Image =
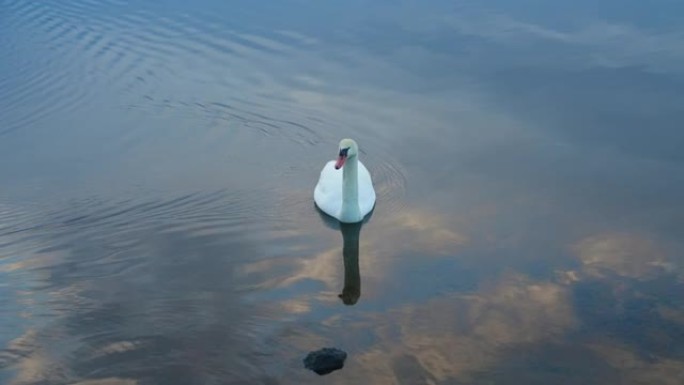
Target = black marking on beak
(343,151)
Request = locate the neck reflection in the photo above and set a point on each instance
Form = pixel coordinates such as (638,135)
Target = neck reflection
(350,252)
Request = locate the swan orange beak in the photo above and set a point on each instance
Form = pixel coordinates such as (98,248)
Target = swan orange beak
(340,161)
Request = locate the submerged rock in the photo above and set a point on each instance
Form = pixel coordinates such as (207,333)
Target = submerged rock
(325,360)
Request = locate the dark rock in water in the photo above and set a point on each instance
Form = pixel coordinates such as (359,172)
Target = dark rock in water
(325,360)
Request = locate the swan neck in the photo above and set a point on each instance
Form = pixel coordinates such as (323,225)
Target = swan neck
(350,189)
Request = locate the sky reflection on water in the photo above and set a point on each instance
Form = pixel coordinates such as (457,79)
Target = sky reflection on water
(158,161)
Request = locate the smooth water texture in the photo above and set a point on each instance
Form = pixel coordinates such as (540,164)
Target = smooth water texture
(158,160)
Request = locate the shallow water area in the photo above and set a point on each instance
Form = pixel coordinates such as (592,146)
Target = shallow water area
(158,160)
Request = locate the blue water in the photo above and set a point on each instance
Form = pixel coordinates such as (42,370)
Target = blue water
(158,160)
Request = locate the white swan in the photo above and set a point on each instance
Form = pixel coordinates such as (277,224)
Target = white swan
(347,195)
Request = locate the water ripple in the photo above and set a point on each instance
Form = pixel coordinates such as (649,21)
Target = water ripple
(390,184)
(46,87)
(139,53)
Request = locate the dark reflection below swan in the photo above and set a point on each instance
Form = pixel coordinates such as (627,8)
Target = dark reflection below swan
(351,233)
(350,251)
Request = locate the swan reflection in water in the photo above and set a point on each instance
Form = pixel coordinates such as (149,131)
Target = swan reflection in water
(351,233)
(350,252)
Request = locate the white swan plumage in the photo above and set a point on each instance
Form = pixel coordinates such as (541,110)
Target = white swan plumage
(346,194)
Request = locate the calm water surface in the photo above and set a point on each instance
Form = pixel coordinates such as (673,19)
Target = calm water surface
(158,159)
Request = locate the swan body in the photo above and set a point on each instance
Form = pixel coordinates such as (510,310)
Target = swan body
(346,194)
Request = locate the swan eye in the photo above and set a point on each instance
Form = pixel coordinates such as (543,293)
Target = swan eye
(343,151)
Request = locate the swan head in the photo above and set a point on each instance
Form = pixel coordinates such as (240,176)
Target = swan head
(348,149)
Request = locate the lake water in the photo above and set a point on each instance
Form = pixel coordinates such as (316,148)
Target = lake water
(158,160)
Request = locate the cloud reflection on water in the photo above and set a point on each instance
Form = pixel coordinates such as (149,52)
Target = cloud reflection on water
(544,135)
(627,255)
(466,337)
